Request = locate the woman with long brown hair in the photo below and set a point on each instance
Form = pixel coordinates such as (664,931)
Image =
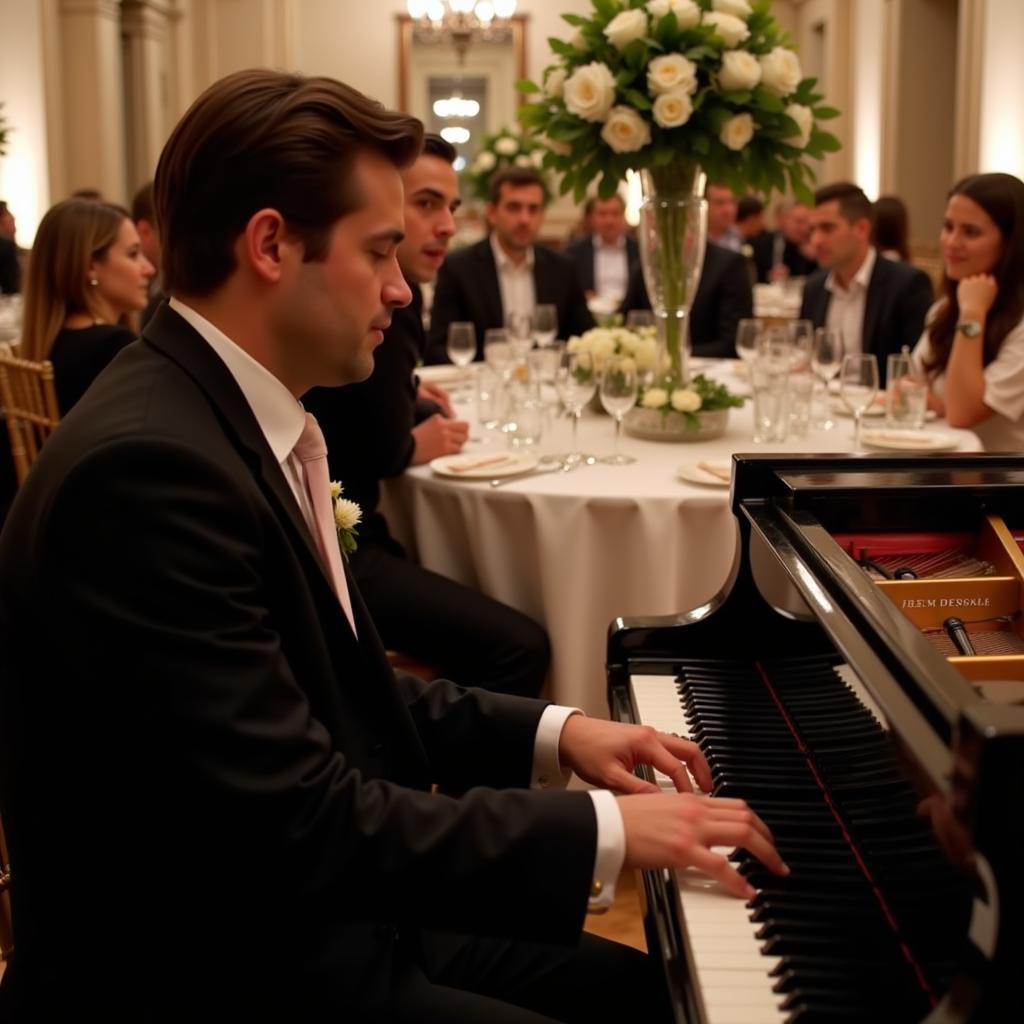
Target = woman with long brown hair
(973,346)
(85,275)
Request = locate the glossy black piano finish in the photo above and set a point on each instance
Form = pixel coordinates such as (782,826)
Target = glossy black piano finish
(966,755)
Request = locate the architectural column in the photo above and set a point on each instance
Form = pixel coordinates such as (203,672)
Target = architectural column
(93,96)
(145,27)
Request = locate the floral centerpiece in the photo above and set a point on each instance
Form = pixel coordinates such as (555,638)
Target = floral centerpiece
(499,150)
(613,339)
(677,89)
(3,132)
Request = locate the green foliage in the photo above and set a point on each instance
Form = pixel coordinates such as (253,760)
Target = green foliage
(506,148)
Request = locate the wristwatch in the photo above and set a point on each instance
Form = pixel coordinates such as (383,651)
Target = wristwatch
(969,328)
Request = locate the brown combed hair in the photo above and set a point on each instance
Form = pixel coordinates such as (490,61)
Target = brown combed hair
(71,235)
(516,177)
(1001,196)
(261,139)
(891,226)
(853,204)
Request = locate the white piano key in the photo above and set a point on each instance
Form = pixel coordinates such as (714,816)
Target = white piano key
(852,680)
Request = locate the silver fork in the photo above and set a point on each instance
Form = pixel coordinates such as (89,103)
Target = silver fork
(545,464)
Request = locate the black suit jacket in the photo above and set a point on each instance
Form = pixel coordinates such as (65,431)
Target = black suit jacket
(581,252)
(764,253)
(10,268)
(79,356)
(204,775)
(468,289)
(724,297)
(899,295)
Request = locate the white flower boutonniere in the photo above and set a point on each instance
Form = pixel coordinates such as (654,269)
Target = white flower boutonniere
(346,517)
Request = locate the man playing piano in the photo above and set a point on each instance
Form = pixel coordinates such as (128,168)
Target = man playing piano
(215,790)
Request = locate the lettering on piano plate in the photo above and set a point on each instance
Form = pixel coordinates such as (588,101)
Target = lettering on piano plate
(946,602)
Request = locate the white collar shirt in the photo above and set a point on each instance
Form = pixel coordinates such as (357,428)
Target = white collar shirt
(515,281)
(847,305)
(611,267)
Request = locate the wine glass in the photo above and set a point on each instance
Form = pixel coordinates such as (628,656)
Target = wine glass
(461,342)
(545,323)
(858,385)
(637,318)
(498,352)
(519,330)
(618,395)
(576,382)
(801,337)
(748,339)
(826,358)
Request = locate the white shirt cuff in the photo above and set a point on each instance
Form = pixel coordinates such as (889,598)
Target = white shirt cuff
(611,849)
(547,770)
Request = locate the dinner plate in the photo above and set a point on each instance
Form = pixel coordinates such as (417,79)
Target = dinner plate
(484,465)
(694,473)
(909,440)
(444,373)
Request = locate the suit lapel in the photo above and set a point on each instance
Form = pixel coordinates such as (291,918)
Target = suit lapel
(873,302)
(490,289)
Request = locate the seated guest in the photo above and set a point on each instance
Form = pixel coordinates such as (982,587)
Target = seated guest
(87,273)
(785,252)
(724,297)
(973,347)
(879,305)
(891,228)
(750,218)
(10,266)
(506,273)
(722,216)
(144,217)
(606,257)
(466,635)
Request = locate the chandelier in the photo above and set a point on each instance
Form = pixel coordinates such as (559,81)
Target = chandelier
(459,23)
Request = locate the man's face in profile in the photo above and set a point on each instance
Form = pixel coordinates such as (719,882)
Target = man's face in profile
(431,199)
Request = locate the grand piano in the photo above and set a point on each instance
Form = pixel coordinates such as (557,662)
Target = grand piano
(860,682)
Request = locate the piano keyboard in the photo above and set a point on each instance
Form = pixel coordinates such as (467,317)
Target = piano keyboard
(818,946)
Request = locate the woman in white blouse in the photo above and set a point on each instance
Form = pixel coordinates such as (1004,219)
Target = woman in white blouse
(972,348)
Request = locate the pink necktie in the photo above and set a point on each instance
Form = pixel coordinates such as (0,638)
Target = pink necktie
(312,452)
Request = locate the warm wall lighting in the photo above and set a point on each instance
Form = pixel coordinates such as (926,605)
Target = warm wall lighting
(455,135)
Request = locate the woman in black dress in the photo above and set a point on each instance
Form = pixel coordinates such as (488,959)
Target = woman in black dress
(86,275)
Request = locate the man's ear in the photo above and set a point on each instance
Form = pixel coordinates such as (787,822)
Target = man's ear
(265,244)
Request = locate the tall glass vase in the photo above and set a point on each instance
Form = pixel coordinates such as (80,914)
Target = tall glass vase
(673,232)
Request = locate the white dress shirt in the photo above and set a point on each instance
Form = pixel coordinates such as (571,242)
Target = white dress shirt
(611,267)
(846,308)
(281,418)
(515,281)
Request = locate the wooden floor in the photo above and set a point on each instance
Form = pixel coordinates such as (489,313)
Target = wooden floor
(624,921)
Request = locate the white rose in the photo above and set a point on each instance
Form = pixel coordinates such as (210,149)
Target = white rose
(625,130)
(645,352)
(671,109)
(686,400)
(780,71)
(669,72)
(576,344)
(654,398)
(346,514)
(728,27)
(506,146)
(523,161)
(737,8)
(625,27)
(485,161)
(686,11)
(740,70)
(805,121)
(537,158)
(737,131)
(590,91)
(554,82)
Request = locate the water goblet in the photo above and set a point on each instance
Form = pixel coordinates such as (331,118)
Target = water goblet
(618,395)
(576,382)
(519,334)
(545,324)
(748,338)
(826,358)
(461,342)
(801,337)
(858,385)
(498,352)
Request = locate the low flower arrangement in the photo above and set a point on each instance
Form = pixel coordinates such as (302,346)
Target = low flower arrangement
(614,340)
(500,150)
(700,395)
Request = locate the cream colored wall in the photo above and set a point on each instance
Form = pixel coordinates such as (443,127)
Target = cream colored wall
(1001,142)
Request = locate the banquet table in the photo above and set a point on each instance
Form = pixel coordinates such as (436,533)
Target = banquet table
(577,549)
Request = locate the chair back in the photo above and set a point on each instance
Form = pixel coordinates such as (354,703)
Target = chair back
(29,406)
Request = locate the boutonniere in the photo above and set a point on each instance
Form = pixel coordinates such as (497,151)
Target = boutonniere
(346,518)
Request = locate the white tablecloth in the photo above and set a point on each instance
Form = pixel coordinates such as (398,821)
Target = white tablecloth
(575,550)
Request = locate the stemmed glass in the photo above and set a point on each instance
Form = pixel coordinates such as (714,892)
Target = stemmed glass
(519,331)
(618,395)
(545,323)
(801,336)
(826,358)
(461,342)
(576,382)
(498,352)
(858,385)
(748,339)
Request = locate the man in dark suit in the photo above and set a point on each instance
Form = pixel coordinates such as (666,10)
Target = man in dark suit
(879,304)
(206,763)
(605,258)
(783,253)
(467,636)
(506,273)
(144,216)
(724,297)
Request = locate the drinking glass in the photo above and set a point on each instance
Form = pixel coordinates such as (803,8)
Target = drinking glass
(519,334)
(618,395)
(491,401)
(637,318)
(906,397)
(576,382)
(498,352)
(826,358)
(801,337)
(461,342)
(769,385)
(748,338)
(858,385)
(545,324)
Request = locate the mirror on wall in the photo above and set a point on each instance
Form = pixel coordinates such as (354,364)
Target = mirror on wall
(461,89)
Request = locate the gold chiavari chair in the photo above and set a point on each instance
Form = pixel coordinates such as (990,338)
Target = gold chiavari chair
(29,406)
